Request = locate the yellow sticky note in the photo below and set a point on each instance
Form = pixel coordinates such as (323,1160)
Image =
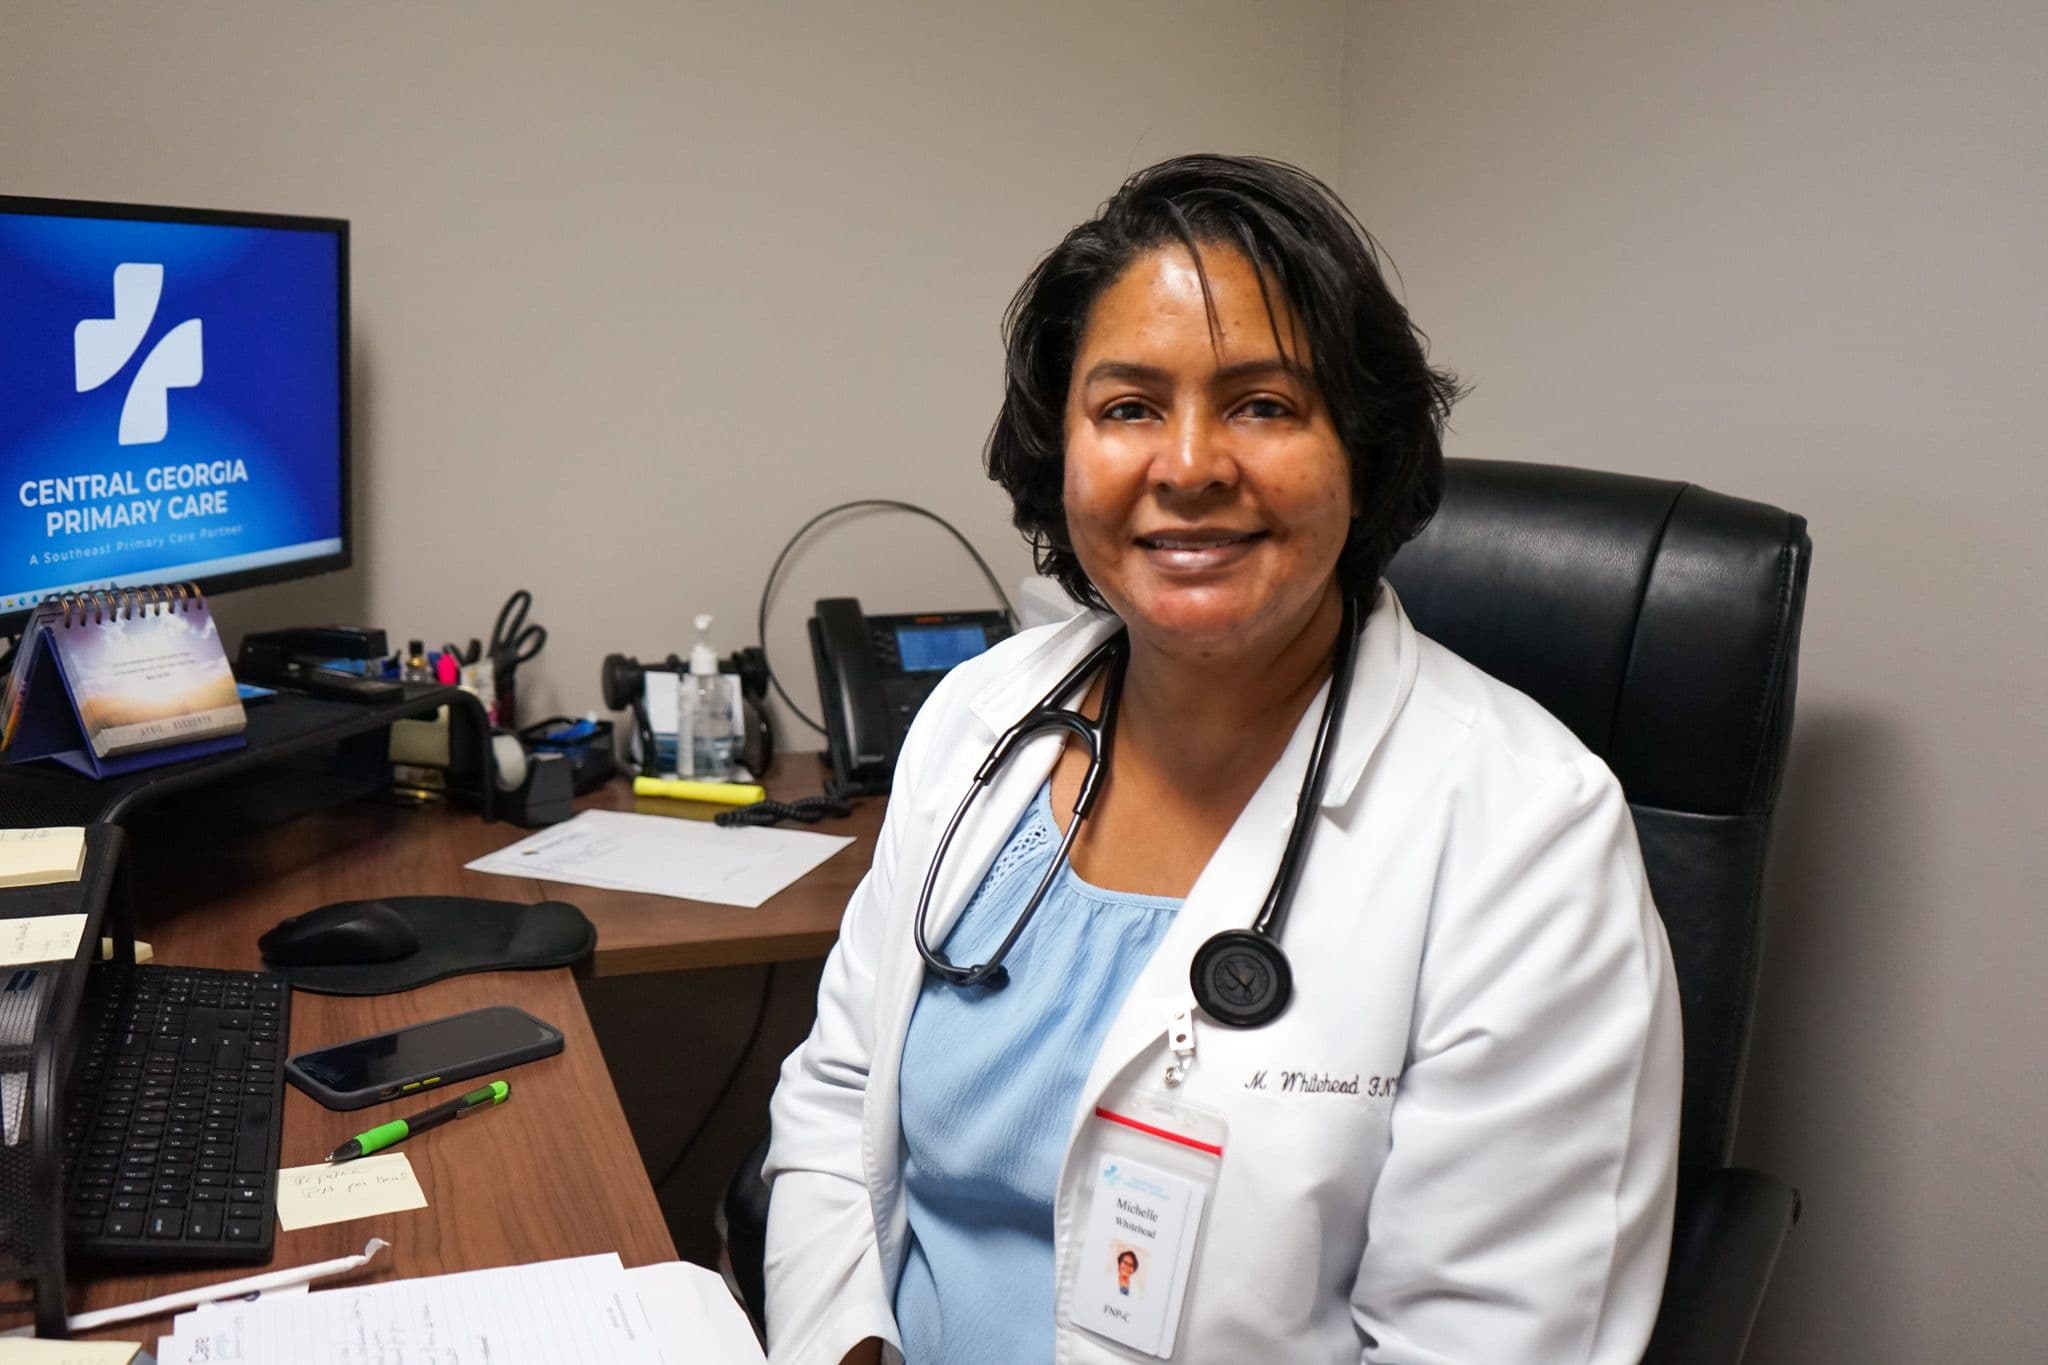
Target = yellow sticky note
(43,938)
(37,857)
(143,952)
(308,1196)
(23,1351)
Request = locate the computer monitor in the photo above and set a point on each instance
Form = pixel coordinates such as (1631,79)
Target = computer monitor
(173,398)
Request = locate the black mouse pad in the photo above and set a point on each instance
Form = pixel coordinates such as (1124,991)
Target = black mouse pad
(458,934)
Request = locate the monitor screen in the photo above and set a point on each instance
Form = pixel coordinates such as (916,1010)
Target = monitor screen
(173,398)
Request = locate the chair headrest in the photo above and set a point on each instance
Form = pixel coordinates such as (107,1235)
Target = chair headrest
(1660,621)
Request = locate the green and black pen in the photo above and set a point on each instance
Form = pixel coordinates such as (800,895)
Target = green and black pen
(398,1130)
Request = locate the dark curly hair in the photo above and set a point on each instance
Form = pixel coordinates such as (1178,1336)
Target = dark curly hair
(1366,358)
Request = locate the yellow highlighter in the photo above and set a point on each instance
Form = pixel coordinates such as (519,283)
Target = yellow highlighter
(682,789)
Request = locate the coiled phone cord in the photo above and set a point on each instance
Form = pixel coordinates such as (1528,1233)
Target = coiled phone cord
(834,801)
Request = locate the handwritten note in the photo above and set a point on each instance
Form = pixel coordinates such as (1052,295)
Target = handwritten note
(22,1351)
(41,938)
(37,857)
(308,1196)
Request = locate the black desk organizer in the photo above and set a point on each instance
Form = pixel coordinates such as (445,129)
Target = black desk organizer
(31,1168)
(40,1042)
(282,729)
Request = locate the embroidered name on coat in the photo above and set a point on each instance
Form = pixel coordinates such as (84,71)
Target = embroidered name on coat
(1322,1083)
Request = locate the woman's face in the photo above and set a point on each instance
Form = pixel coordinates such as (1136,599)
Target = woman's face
(1206,492)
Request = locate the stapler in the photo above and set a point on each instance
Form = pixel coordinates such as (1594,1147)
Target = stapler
(300,658)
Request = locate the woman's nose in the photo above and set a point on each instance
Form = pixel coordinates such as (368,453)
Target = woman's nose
(1196,455)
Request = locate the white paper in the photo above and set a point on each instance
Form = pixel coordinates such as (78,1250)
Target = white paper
(662,700)
(664,856)
(42,938)
(570,1312)
(693,1316)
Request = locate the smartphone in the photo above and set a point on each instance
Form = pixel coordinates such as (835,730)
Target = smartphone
(422,1056)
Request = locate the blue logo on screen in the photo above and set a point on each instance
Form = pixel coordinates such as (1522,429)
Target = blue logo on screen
(102,347)
(189,426)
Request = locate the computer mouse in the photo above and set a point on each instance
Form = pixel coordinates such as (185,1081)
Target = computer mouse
(346,932)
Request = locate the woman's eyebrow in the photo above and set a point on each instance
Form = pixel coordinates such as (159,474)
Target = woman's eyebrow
(1133,372)
(1127,370)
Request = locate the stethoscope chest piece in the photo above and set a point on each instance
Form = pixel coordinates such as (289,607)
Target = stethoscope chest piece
(1241,978)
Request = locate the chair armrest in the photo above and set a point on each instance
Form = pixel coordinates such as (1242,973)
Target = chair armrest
(744,1229)
(1724,1244)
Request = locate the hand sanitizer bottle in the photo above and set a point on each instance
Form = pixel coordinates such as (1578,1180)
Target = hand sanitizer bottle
(707,703)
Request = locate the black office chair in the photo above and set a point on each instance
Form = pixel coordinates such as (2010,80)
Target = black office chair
(1661,623)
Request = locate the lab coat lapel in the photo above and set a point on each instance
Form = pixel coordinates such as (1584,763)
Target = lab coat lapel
(995,811)
(1226,896)
(1233,886)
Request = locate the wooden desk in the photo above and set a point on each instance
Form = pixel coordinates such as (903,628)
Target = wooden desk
(334,855)
(519,1184)
(553,1173)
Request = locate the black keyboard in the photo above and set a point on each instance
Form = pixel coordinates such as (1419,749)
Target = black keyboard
(173,1116)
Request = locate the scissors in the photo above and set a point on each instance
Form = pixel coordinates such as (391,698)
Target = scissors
(513,642)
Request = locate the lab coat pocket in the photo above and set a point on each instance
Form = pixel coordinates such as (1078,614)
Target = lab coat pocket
(1310,1131)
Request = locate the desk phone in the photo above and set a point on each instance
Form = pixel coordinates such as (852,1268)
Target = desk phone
(875,671)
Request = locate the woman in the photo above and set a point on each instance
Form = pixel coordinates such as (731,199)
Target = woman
(1454,1138)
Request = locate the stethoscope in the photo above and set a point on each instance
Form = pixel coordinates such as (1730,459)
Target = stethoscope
(1240,977)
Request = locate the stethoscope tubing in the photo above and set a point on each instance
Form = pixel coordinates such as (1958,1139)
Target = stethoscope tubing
(1047,715)
(1280,896)
(1097,736)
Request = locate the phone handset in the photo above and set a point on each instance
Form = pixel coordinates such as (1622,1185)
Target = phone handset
(850,691)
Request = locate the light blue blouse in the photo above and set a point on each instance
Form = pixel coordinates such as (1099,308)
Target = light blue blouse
(989,1084)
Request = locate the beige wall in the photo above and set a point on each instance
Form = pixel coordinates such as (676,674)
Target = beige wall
(639,287)
(1800,253)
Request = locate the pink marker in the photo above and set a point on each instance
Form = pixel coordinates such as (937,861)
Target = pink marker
(445,669)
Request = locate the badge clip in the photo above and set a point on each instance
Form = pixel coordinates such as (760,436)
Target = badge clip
(1180,1036)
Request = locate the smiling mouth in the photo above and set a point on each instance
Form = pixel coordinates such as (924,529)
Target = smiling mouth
(1198,540)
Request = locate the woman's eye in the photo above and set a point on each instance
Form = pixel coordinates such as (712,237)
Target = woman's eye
(1266,409)
(1128,410)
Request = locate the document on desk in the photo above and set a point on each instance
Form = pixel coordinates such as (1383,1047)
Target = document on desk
(665,856)
(693,1315)
(585,1311)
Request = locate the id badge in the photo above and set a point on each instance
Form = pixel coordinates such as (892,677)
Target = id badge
(1152,1171)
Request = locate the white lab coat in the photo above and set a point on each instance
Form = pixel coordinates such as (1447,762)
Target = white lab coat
(1472,922)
